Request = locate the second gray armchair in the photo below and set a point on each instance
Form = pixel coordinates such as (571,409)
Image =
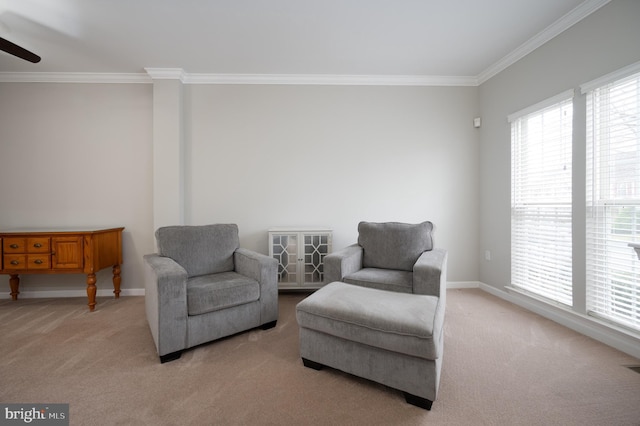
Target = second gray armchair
(391,256)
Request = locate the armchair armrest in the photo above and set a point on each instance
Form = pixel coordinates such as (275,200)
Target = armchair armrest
(263,269)
(166,302)
(343,262)
(430,277)
(430,273)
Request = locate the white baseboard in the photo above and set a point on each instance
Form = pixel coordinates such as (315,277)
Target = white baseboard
(43,294)
(610,335)
(463,284)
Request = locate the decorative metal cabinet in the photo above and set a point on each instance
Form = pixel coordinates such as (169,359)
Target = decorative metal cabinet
(300,254)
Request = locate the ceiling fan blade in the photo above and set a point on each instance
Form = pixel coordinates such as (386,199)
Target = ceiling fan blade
(18,51)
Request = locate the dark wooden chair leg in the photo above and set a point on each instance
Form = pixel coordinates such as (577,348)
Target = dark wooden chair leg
(269,325)
(418,401)
(170,357)
(312,364)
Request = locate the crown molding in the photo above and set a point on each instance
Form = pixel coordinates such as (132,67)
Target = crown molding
(331,80)
(166,73)
(72,77)
(282,79)
(567,21)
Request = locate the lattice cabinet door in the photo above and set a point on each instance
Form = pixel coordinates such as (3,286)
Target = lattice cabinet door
(284,248)
(316,247)
(300,254)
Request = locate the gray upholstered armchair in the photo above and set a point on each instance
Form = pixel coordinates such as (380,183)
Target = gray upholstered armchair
(201,286)
(391,256)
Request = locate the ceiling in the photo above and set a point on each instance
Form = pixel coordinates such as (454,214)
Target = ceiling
(455,38)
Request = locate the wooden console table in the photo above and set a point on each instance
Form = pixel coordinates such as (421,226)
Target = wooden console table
(62,252)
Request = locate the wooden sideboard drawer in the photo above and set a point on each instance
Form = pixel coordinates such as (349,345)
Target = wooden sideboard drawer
(14,245)
(38,245)
(38,261)
(27,261)
(15,261)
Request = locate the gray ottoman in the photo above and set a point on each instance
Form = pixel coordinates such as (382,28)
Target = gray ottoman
(387,337)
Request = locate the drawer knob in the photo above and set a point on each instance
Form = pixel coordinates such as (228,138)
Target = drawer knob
(15,262)
(38,261)
(37,245)
(14,246)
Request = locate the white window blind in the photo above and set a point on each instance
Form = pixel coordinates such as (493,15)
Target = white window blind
(613,199)
(541,141)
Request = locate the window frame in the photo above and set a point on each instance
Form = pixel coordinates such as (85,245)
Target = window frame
(542,267)
(613,269)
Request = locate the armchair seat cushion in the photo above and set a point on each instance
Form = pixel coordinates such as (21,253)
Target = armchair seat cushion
(382,279)
(208,293)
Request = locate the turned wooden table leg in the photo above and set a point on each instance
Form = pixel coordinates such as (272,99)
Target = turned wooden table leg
(116,280)
(91,291)
(14,283)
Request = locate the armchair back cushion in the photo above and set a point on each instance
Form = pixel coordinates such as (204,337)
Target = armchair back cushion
(200,250)
(393,245)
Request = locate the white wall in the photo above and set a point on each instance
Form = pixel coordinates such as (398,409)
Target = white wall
(603,42)
(74,155)
(264,156)
(77,155)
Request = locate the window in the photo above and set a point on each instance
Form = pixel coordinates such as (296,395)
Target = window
(613,197)
(541,241)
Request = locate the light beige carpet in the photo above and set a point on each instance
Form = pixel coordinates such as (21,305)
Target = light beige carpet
(502,366)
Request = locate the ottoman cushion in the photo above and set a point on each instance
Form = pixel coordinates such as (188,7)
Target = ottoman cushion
(397,322)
